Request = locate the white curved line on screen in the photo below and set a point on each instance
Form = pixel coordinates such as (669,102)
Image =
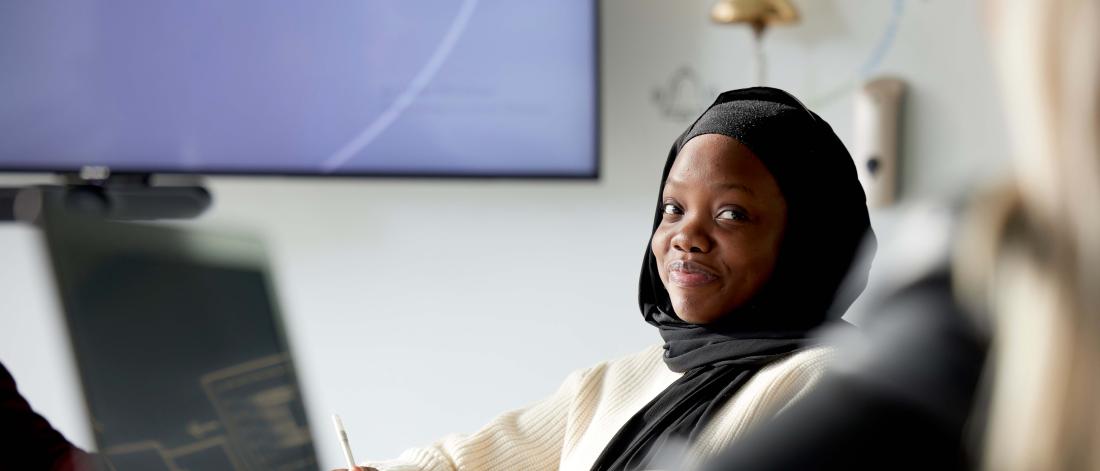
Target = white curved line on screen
(406,97)
(870,65)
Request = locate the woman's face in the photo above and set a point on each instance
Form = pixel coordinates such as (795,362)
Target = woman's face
(723,222)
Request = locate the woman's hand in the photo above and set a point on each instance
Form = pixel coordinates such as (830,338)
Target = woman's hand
(357,468)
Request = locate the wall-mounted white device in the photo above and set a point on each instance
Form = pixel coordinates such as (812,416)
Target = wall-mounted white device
(878,112)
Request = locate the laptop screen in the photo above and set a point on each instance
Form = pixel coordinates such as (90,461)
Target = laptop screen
(180,349)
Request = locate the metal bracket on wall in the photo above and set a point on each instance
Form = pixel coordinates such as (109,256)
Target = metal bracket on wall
(118,196)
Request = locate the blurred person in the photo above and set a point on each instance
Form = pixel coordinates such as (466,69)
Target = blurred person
(29,441)
(1017,278)
(1032,258)
(758,219)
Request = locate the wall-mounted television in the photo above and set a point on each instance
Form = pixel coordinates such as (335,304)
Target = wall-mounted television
(490,88)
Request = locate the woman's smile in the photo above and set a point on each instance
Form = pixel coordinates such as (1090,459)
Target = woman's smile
(689,274)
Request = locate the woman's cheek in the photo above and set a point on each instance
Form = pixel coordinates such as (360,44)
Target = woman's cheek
(659,247)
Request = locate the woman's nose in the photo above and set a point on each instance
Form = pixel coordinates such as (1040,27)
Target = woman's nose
(691,236)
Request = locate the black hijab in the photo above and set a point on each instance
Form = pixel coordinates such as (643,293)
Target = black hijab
(827,221)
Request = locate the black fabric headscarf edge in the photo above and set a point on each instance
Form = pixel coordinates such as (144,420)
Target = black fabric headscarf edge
(827,222)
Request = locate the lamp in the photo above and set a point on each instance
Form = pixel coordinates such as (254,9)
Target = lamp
(759,14)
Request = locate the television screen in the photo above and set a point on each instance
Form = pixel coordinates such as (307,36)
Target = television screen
(355,87)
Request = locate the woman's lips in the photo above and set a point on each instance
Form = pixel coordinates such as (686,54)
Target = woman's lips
(689,274)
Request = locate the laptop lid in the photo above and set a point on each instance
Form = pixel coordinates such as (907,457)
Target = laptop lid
(179,345)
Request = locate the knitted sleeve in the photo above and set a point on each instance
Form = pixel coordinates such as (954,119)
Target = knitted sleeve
(529,439)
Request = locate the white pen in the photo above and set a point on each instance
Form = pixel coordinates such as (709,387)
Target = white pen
(343,434)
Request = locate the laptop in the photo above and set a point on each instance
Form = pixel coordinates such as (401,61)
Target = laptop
(179,345)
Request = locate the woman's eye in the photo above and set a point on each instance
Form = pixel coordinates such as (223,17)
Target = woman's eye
(670,208)
(732,215)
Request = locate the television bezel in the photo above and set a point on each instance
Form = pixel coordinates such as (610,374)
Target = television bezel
(594,175)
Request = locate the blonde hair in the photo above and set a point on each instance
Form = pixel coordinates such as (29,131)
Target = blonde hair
(1030,252)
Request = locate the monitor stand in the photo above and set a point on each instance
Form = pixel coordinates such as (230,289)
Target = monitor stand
(124,196)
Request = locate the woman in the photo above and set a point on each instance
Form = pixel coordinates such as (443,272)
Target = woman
(758,221)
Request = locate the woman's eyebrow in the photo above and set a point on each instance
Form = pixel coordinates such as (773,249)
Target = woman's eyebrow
(734,186)
(672,182)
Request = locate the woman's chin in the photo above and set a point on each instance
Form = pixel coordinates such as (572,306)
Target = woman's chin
(700,310)
(693,319)
(695,314)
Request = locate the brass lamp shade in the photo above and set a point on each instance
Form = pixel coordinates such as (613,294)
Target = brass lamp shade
(758,13)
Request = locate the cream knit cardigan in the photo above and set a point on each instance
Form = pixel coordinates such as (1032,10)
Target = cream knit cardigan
(570,429)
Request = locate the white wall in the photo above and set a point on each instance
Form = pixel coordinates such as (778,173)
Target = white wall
(418,308)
